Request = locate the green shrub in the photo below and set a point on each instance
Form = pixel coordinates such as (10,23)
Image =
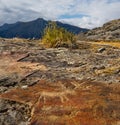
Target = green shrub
(55,36)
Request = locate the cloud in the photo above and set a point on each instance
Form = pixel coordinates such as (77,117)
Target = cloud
(94,12)
(83,13)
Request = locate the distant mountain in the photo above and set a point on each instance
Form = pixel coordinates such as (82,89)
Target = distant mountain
(109,31)
(33,29)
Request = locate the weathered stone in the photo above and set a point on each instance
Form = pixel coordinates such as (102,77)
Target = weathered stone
(24,87)
(110,31)
(117,71)
(58,85)
(101,50)
(55,103)
(13,113)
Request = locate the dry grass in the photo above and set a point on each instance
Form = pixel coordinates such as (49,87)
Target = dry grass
(16,40)
(21,40)
(108,70)
(111,43)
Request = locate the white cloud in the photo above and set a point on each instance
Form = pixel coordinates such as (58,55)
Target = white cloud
(98,12)
(94,12)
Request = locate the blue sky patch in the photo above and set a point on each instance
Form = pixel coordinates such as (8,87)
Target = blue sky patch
(72,16)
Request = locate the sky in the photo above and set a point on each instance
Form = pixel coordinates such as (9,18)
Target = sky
(82,13)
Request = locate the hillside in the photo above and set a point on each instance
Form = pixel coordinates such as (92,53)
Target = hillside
(59,86)
(109,31)
(33,29)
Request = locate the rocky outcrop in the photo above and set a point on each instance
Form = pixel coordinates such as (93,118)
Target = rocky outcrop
(40,86)
(109,31)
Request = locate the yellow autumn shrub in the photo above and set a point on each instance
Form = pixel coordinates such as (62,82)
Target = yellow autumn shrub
(55,36)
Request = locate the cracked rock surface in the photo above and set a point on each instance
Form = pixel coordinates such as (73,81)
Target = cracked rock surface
(59,86)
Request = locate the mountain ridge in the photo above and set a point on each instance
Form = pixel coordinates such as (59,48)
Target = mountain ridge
(33,29)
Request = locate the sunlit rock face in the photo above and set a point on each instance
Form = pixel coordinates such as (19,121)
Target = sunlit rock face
(109,31)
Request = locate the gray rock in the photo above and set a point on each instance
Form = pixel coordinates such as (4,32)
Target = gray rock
(100,50)
(12,113)
(60,63)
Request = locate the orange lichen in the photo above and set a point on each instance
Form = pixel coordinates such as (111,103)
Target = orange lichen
(11,65)
(87,103)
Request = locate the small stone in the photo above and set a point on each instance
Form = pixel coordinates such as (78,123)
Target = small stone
(98,67)
(24,87)
(101,50)
(3,89)
(117,71)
